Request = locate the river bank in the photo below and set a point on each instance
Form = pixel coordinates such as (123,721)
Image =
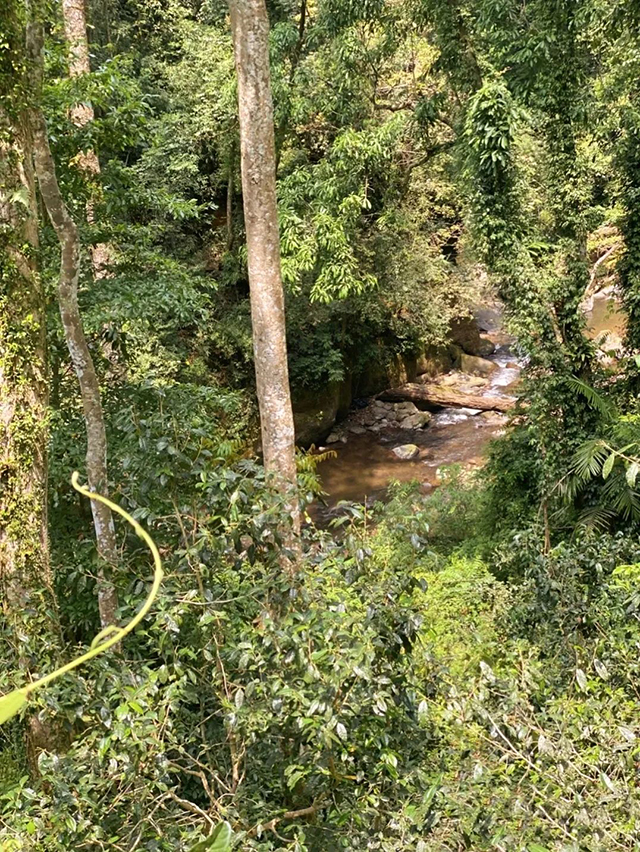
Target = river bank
(365,440)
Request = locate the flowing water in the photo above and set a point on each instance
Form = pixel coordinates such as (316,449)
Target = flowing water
(365,465)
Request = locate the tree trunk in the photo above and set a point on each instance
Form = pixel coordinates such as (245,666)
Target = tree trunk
(25,576)
(250,27)
(75,30)
(446,398)
(74,333)
(27,600)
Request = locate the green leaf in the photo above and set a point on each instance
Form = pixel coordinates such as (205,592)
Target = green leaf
(218,841)
(21,196)
(11,704)
(632,474)
(535,847)
(607,467)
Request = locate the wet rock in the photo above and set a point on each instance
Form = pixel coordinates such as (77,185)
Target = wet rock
(477,366)
(487,347)
(493,418)
(356,429)
(336,436)
(406,452)
(416,421)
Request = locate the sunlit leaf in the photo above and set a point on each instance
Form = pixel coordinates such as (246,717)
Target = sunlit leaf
(607,467)
(631,474)
(218,841)
(11,704)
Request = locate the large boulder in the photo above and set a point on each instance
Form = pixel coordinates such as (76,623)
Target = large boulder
(314,413)
(434,361)
(464,332)
(477,366)
(487,347)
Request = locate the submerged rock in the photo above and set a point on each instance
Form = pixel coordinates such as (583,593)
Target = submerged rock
(406,452)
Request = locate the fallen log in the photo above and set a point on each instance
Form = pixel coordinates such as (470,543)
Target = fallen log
(446,397)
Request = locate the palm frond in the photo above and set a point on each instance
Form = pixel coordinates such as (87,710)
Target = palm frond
(589,459)
(596,518)
(595,399)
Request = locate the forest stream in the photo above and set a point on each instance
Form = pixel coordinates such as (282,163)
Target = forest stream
(364,464)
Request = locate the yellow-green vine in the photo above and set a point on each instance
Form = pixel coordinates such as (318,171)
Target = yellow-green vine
(13,702)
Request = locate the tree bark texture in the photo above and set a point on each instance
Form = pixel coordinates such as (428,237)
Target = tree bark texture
(25,578)
(250,27)
(27,601)
(81,359)
(75,29)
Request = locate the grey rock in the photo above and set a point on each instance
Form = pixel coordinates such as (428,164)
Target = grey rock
(406,452)
(477,366)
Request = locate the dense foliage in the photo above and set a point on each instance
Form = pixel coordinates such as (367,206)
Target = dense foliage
(440,673)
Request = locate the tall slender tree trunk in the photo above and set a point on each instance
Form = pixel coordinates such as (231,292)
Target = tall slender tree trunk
(75,29)
(74,333)
(250,26)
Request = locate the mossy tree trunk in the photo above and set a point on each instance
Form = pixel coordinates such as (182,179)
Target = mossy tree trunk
(27,601)
(24,550)
(81,358)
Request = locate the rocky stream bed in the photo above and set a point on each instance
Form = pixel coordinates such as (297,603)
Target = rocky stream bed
(382,440)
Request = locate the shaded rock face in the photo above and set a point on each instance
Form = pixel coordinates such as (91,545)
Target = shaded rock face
(315,413)
(487,346)
(398,370)
(464,332)
(434,361)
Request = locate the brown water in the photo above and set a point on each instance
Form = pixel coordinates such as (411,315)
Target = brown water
(365,465)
